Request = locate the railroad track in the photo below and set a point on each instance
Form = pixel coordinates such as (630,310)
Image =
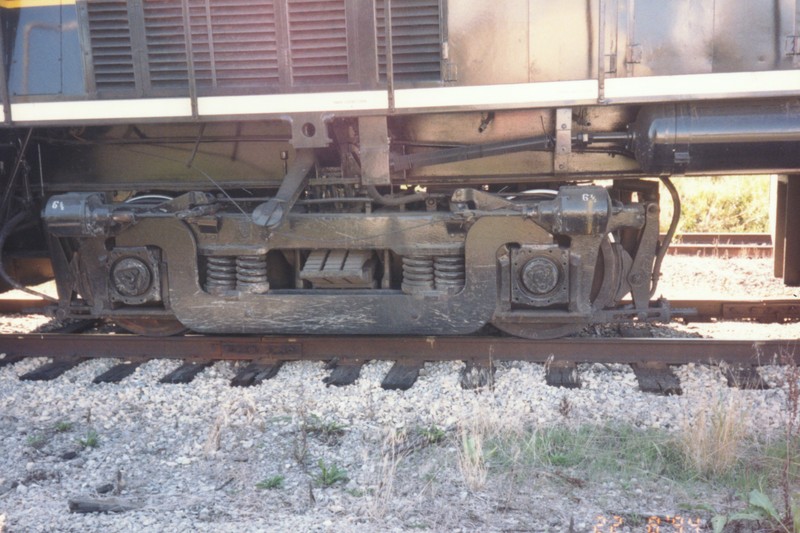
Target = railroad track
(751,245)
(650,358)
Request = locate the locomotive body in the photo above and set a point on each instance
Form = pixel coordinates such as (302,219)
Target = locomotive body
(378,166)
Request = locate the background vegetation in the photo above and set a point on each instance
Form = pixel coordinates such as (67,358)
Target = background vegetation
(720,204)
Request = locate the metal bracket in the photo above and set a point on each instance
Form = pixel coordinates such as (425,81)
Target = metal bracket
(563,154)
(273,212)
(373,134)
(639,277)
(792,45)
(309,130)
(634,54)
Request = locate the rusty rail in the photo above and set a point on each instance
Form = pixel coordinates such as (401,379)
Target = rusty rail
(723,245)
(359,349)
(22,305)
(772,311)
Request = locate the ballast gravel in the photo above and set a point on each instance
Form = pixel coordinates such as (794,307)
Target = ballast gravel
(201,456)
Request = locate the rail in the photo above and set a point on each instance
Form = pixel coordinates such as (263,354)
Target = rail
(751,245)
(671,351)
(262,357)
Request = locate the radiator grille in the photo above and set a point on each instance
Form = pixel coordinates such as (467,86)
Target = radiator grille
(110,39)
(252,44)
(416,39)
(166,45)
(318,41)
(235,43)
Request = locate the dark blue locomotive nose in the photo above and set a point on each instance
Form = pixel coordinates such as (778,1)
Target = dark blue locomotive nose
(43,40)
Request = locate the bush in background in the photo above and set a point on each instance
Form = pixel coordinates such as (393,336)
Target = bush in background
(719,204)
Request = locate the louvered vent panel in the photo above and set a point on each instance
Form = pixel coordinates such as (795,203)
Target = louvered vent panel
(166,46)
(416,40)
(234,43)
(318,41)
(110,38)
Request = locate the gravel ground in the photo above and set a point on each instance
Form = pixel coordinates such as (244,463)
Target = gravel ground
(189,457)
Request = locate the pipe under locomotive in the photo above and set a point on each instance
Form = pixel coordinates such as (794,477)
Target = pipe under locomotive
(348,167)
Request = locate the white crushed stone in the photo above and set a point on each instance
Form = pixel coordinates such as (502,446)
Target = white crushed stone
(192,455)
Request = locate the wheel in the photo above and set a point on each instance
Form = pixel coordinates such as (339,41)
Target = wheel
(607,276)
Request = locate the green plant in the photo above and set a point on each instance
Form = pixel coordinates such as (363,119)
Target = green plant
(330,474)
(63,426)
(432,434)
(328,431)
(315,424)
(589,452)
(759,508)
(37,441)
(274,482)
(91,440)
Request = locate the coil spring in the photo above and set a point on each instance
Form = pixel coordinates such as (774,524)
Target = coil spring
(449,273)
(220,274)
(251,273)
(417,274)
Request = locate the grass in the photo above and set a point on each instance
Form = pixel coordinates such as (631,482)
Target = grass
(472,458)
(328,431)
(271,483)
(591,451)
(330,474)
(91,440)
(712,439)
(432,434)
(63,427)
(720,204)
(37,441)
(623,453)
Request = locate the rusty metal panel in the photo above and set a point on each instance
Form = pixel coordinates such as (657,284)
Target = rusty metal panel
(747,36)
(374,136)
(562,40)
(674,37)
(488,42)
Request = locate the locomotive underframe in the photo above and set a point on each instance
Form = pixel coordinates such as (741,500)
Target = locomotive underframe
(534,268)
(335,239)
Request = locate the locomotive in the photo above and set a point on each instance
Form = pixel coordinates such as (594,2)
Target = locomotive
(420,167)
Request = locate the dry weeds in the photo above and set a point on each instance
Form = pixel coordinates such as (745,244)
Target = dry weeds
(242,407)
(715,433)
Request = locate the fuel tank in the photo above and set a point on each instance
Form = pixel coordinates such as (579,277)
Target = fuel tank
(713,138)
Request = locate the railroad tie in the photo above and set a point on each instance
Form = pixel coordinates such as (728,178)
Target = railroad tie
(401,376)
(744,377)
(476,375)
(6,359)
(657,378)
(186,372)
(343,372)
(562,374)
(256,372)
(52,370)
(117,373)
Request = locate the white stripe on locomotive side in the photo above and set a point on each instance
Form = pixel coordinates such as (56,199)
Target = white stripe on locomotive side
(703,86)
(277,104)
(484,97)
(516,95)
(101,110)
